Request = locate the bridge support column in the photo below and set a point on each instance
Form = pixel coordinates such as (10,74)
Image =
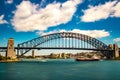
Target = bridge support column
(116,50)
(10,49)
(33,53)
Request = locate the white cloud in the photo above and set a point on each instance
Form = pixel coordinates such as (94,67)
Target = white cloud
(102,11)
(28,17)
(9,1)
(2,21)
(117,39)
(92,33)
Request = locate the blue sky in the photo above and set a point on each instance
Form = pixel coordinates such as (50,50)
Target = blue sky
(27,19)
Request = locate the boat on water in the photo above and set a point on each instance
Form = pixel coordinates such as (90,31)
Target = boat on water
(94,58)
(86,59)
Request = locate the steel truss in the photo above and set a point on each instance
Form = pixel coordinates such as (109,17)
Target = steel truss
(70,41)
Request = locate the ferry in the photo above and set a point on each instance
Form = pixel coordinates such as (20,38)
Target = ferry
(94,58)
(86,59)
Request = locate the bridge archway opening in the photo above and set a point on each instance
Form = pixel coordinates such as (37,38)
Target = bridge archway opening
(65,40)
(67,43)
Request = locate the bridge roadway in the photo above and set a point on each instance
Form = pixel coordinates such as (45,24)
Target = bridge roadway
(71,48)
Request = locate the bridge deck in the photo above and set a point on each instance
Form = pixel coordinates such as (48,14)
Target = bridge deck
(39,48)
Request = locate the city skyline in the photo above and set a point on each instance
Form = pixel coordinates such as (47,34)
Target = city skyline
(27,19)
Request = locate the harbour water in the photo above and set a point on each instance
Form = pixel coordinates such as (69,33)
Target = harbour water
(60,69)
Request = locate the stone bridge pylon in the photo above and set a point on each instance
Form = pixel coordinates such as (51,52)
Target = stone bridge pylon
(10,49)
(115,50)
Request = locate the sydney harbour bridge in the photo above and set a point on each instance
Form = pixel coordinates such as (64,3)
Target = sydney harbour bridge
(65,40)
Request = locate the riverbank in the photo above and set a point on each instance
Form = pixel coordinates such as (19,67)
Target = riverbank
(12,60)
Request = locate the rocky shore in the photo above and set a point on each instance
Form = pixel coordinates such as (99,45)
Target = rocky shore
(15,60)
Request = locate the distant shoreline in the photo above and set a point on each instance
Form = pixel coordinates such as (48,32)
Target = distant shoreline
(17,60)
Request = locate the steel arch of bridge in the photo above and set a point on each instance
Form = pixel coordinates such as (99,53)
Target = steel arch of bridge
(40,40)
